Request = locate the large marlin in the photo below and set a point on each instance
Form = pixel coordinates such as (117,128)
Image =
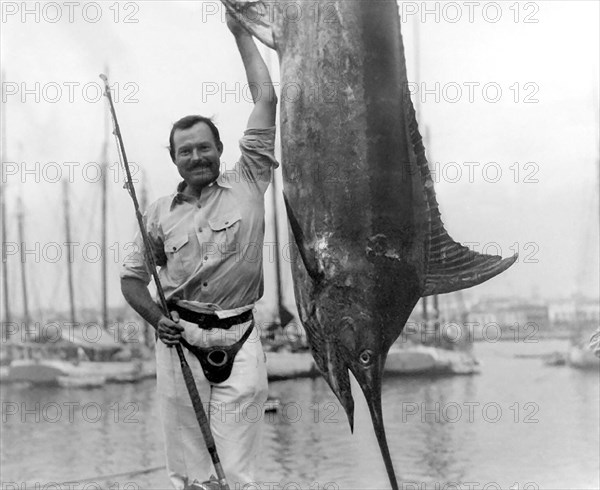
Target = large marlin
(359,195)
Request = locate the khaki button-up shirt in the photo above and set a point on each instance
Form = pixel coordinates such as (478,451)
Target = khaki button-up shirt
(210,250)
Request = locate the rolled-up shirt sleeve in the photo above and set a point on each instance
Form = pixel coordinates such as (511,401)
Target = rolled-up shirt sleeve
(257,159)
(135,265)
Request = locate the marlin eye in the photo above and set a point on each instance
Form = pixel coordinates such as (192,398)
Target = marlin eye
(365,357)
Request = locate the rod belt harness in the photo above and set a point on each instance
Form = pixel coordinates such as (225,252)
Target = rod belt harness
(216,361)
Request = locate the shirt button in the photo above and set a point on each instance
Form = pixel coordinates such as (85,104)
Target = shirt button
(174,248)
(199,205)
(206,257)
(205,284)
(199,230)
(226,222)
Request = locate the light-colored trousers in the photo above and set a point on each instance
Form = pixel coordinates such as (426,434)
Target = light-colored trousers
(234,407)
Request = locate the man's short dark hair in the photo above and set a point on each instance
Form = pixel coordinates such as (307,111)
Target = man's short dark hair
(186,123)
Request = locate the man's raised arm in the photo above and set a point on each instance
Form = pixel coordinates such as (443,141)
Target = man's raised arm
(259,80)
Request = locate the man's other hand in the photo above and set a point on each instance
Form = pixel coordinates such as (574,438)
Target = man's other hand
(169,331)
(235,26)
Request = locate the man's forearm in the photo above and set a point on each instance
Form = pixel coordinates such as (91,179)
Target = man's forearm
(137,295)
(257,73)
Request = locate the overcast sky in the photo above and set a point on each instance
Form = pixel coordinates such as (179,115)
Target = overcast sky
(517,97)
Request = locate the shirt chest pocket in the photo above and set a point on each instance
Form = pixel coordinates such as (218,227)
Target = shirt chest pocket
(226,232)
(177,250)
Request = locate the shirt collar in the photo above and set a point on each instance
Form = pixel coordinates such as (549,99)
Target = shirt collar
(179,197)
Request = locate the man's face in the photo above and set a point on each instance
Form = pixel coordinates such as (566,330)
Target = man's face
(196,155)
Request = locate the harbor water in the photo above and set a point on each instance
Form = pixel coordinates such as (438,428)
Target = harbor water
(519,424)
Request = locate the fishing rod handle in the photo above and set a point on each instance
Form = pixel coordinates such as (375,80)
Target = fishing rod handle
(203,422)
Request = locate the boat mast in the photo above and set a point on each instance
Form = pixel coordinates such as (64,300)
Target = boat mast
(425,130)
(69,250)
(285,316)
(103,216)
(417,39)
(7,313)
(23,274)
(147,331)
(143,193)
(276,232)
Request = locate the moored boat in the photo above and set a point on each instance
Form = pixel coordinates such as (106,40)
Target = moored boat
(36,371)
(83,374)
(88,381)
(583,358)
(421,359)
(582,353)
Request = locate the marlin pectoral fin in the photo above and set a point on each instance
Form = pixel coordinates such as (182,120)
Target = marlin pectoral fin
(254,16)
(306,251)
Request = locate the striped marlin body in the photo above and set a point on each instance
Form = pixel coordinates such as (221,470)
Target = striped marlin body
(359,195)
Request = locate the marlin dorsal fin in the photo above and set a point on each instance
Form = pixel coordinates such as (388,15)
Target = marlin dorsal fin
(450,266)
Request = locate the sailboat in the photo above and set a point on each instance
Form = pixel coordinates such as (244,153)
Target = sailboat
(100,366)
(79,362)
(582,357)
(41,361)
(20,359)
(581,354)
(73,360)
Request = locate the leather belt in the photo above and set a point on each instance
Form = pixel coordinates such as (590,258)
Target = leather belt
(207,321)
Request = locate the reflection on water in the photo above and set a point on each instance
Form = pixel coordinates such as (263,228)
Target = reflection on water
(54,434)
(519,424)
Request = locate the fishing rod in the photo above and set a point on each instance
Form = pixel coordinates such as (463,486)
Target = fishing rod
(185,368)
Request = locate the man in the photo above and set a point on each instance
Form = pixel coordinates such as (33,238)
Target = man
(201,236)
